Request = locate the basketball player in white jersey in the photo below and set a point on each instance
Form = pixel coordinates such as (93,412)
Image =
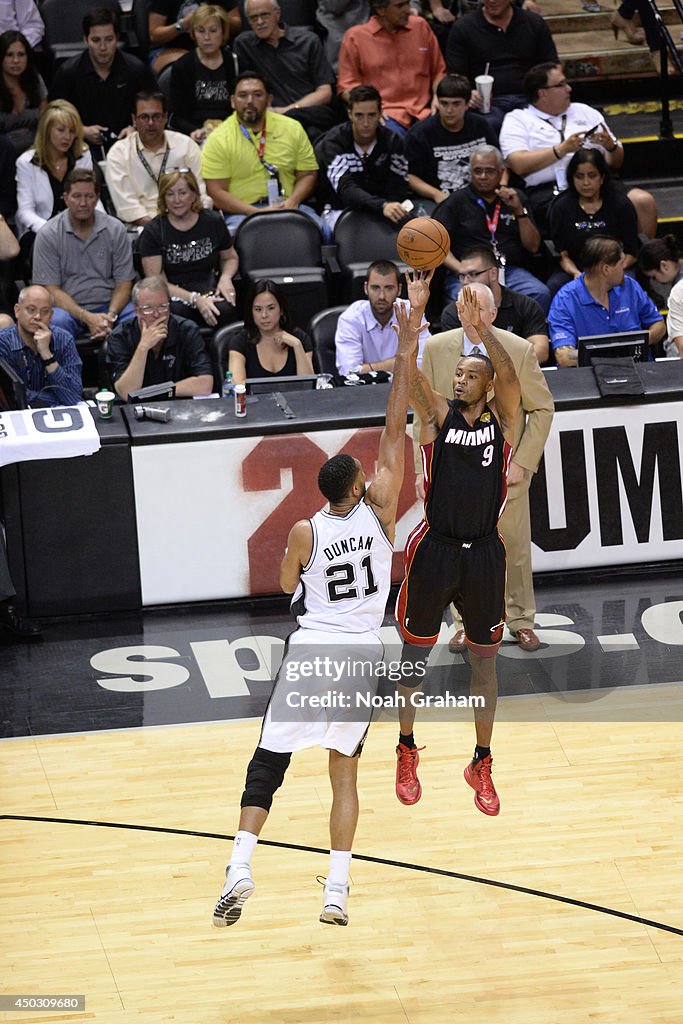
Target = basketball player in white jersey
(338,566)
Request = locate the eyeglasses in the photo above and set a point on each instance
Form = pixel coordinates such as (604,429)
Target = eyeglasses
(485,172)
(264,16)
(558,85)
(145,118)
(472,275)
(146,310)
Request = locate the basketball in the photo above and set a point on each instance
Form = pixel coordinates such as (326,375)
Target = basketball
(423,243)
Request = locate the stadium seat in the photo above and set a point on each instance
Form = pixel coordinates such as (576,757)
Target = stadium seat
(322,330)
(284,246)
(64,24)
(218,350)
(360,240)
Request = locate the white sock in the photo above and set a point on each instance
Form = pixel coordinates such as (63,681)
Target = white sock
(340,862)
(243,847)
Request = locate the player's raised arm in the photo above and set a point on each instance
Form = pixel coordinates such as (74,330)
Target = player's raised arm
(297,555)
(508,392)
(384,490)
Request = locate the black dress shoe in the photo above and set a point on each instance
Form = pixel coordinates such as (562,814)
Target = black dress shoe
(12,623)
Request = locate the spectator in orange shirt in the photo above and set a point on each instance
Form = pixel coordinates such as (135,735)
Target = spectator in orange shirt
(397,53)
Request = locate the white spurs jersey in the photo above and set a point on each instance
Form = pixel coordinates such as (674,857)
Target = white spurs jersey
(345,585)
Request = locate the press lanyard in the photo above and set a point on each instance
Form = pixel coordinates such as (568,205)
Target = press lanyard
(272,171)
(145,164)
(492,225)
(562,127)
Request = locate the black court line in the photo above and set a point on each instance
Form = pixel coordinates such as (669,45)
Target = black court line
(364,857)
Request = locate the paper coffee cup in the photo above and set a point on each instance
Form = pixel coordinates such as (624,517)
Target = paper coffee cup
(484,84)
(105,403)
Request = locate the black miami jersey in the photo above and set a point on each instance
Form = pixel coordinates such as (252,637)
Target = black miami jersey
(465,472)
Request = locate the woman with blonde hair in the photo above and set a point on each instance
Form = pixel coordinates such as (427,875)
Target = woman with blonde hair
(192,249)
(58,148)
(202,81)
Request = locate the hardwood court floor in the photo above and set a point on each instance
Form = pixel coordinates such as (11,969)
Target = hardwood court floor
(591,811)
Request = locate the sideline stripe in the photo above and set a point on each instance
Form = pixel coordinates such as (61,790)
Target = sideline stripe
(364,857)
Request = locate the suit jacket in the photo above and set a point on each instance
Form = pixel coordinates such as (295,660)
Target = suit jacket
(535,414)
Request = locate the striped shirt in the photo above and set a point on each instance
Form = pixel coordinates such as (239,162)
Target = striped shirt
(61,387)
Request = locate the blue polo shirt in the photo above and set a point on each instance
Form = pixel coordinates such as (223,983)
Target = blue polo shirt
(574,313)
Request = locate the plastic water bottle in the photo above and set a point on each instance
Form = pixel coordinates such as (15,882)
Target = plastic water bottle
(228,386)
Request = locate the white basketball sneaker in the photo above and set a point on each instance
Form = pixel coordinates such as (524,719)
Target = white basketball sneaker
(335,898)
(239,885)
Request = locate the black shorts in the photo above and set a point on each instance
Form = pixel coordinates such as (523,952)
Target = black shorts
(440,571)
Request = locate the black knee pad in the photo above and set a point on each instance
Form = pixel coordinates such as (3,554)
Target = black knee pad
(265,774)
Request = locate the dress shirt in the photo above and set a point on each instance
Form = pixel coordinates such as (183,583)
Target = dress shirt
(22,15)
(132,188)
(63,386)
(402,66)
(360,339)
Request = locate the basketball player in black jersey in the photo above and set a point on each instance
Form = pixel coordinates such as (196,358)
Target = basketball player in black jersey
(455,554)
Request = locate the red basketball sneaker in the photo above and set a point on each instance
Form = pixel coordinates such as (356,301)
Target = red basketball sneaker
(478,776)
(408,788)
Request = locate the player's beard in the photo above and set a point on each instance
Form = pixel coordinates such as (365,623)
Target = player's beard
(460,404)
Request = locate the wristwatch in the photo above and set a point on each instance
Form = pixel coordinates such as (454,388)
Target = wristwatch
(50,359)
(179,27)
(524,213)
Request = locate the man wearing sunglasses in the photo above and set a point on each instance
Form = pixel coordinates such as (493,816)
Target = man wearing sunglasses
(157,347)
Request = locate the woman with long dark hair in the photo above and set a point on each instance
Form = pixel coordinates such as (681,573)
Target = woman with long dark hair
(589,206)
(23,95)
(270,345)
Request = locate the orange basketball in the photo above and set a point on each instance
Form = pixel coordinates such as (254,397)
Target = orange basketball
(423,243)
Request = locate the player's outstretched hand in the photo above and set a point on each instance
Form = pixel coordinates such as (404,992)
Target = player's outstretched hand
(469,309)
(408,333)
(417,283)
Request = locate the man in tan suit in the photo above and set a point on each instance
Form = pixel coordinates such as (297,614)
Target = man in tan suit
(535,414)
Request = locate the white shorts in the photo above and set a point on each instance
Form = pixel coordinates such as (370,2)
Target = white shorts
(323,692)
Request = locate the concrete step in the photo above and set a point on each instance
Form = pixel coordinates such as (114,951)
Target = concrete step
(571,20)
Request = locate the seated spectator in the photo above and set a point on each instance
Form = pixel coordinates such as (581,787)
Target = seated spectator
(603,300)
(439,148)
(102,81)
(398,53)
(169,24)
(45,358)
(135,164)
(293,61)
(363,163)
(156,347)
(202,81)
(589,206)
(365,338)
(504,41)
(18,628)
(23,96)
(258,160)
(270,345)
(661,261)
(516,313)
(22,16)
(673,346)
(191,249)
(85,260)
(487,212)
(539,141)
(58,148)
(335,16)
